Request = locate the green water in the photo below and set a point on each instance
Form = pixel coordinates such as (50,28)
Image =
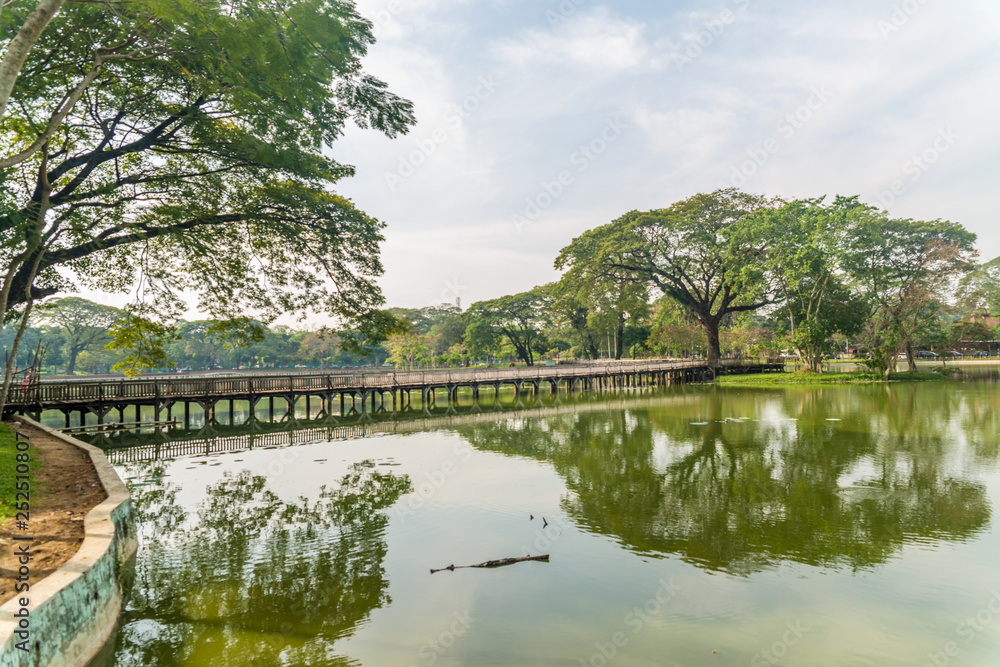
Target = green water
(696,525)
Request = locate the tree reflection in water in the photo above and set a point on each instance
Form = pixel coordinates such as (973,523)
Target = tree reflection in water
(252,579)
(741,496)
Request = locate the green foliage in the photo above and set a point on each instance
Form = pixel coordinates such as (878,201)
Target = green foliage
(904,268)
(482,339)
(804,240)
(979,289)
(197,158)
(423,320)
(684,251)
(519,318)
(144,343)
(371,329)
(595,304)
(237,331)
(83,325)
(408,349)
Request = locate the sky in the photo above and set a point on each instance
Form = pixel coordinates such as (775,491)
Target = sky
(539,120)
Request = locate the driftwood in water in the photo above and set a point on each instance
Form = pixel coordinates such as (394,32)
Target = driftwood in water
(496,563)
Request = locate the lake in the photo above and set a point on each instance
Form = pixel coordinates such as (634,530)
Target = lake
(692,525)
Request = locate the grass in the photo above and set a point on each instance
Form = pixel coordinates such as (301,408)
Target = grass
(825,378)
(8,467)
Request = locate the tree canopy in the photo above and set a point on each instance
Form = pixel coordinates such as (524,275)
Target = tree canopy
(905,269)
(685,252)
(84,324)
(520,318)
(194,157)
(803,242)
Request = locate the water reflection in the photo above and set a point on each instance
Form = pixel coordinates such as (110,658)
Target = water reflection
(250,579)
(825,477)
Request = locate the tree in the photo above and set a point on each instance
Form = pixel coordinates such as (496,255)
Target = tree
(904,267)
(448,332)
(673,331)
(319,346)
(426,318)
(612,302)
(194,157)
(519,318)
(570,317)
(407,349)
(979,289)
(19,43)
(685,252)
(143,343)
(83,324)
(481,340)
(803,242)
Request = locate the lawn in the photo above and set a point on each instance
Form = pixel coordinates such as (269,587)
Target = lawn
(825,378)
(8,471)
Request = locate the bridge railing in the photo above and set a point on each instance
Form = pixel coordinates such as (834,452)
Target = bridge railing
(111,391)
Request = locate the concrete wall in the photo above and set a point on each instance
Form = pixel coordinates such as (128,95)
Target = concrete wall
(74,611)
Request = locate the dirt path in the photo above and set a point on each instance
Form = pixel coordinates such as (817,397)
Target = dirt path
(72,489)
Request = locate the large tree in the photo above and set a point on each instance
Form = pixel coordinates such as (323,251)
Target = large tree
(611,302)
(520,318)
(905,269)
(804,241)
(164,147)
(685,252)
(196,157)
(83,324)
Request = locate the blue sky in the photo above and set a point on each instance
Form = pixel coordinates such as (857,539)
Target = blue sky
(540,120)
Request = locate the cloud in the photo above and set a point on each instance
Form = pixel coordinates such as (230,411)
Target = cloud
(594,40)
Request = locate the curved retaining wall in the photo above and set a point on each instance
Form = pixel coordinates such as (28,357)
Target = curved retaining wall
(74,610)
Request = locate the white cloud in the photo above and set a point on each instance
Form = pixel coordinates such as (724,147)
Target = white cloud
(594,40)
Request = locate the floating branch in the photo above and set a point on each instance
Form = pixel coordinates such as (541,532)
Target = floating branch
(496,563)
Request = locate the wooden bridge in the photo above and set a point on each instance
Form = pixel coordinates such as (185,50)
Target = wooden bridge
(357,393)
(123,446)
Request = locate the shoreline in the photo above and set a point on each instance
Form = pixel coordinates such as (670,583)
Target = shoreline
(828,378)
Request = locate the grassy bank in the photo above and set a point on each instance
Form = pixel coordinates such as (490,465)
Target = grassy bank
(8,471)
(825,378)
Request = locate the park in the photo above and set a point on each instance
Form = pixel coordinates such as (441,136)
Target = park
(382,333)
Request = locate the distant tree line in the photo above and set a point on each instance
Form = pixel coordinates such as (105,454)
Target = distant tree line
(720,274)
(734,273)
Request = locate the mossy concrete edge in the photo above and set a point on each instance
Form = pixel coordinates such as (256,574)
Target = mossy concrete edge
(74,611)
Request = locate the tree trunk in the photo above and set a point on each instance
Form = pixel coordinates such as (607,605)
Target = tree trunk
(71,365)
(811,356)
(620,339)
(712,332)
(911,364)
